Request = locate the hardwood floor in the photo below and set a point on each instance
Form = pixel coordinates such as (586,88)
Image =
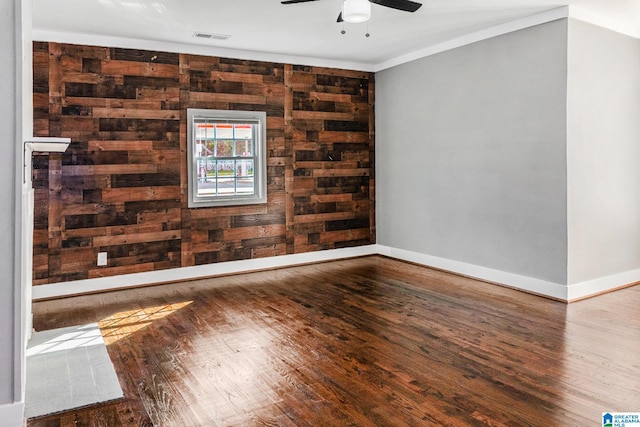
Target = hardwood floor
(361,342)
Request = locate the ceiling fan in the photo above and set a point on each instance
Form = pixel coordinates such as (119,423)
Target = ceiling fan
(355,11)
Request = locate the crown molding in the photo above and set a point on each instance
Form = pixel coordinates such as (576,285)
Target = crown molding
(194,49)
(128,43)
(550,15)
(487,33)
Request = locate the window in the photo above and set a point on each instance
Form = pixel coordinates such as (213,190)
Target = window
(227,157)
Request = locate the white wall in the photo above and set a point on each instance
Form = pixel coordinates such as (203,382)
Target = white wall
(471,154)
(603,143)
(12,322)
(24,190)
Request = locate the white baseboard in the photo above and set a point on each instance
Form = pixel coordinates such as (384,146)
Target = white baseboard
(12,414)
(528,284)
(62,289)
(601,285)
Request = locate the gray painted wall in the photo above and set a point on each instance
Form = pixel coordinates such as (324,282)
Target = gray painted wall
(9,120)
(471,154)
(603,142)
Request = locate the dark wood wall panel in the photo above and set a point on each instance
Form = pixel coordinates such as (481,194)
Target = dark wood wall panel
(239,232)
(332,162)
(122,185)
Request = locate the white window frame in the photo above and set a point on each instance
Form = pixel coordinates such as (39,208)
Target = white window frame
(259,120)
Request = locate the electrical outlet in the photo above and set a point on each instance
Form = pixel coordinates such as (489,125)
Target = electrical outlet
(102,258)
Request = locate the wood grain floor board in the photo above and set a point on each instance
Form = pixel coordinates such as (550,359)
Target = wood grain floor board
(362,342)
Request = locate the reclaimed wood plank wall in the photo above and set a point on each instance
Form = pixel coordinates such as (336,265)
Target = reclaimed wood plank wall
(121,187)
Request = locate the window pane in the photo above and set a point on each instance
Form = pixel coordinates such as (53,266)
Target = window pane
(224,130)
(211,167)
(204,148)
(243,131)
(204,130)
(226,168)
(206,179)
(202,170)
(245,185)
(244,167)
(224,148)
(243,148)
(226,185)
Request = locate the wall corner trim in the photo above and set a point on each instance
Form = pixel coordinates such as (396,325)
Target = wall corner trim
(12,414)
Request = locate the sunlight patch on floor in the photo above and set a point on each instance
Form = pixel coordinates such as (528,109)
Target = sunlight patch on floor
(122,324)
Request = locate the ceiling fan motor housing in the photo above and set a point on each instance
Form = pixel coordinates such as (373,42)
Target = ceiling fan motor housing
(356,11)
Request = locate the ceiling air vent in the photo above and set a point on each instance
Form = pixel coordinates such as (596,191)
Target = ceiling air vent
(209,36)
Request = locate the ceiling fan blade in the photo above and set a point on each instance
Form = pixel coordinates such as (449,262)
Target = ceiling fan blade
(340,18)
(295,1)
(406,5)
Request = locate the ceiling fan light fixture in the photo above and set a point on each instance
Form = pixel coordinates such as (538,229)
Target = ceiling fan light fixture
(356,11)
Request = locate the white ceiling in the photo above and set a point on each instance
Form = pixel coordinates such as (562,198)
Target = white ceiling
(306,32)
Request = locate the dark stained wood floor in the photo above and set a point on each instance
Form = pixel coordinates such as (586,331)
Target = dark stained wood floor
(361,342)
